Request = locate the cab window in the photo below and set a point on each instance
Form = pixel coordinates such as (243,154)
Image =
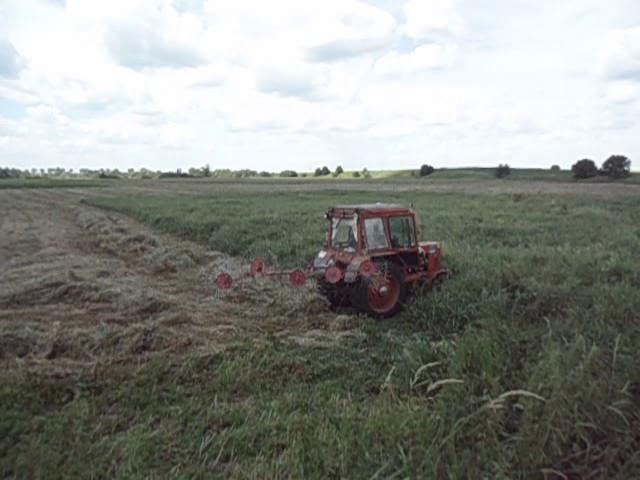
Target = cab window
(402,232)
(376,237)
(344,234)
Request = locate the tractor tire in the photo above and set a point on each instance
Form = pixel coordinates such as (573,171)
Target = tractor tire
(336,295)
(367,296)
(436,285)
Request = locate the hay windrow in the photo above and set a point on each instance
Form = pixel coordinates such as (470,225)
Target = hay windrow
(98,287)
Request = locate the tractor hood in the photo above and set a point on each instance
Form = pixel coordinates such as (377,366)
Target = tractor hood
(323,259)
(430,247)
(328,257)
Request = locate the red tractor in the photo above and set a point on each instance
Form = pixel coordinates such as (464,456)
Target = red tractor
(371,258)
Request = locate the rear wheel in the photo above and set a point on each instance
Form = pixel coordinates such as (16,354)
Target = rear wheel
(383,294)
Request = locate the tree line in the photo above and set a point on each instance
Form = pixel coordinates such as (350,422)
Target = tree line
(616,166)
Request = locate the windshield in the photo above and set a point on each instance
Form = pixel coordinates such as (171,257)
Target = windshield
(344,234)
(376,237)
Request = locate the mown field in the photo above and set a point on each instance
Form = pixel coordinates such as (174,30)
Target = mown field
(524,366)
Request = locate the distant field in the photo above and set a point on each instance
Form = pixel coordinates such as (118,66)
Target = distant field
(440,176)
(49,183)
(476,173)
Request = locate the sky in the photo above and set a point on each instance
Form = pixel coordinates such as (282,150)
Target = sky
(290,84)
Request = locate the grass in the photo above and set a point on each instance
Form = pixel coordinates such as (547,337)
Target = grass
(478,174)
(524,366)
(49,183)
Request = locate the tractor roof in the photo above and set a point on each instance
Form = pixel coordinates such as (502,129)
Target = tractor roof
(369,207)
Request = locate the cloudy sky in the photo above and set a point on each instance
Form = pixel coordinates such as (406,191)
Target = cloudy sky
(278,84)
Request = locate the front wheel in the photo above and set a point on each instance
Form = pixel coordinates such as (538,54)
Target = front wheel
(383,294)
(336,295)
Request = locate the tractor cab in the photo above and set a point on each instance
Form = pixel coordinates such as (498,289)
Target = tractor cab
(371,229)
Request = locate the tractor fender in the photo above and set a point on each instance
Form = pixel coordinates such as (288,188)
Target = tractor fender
(443,273)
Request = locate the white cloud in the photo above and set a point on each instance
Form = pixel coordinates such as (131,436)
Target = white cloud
(10,61)
(287,84)
(622,91)
(144,46)
(427,17)
(424,57)
(352,28)
(622,54)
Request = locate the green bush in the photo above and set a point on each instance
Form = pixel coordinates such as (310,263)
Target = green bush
(584,168)
(617,166)
(503,171)
(426,170)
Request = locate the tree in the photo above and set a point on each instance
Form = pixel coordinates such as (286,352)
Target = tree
(288,173)
(206,170)
(355,174)
(325,171)
(555,168)
(584,168)
(503,171)
(617,166)
(426,170)
(318,172)
(339,170)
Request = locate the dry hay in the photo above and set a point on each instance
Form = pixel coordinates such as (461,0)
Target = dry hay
(98,288)
(114,237)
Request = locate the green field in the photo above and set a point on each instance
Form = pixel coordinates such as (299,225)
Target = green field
(524,365)
(478,173)
(46,182)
